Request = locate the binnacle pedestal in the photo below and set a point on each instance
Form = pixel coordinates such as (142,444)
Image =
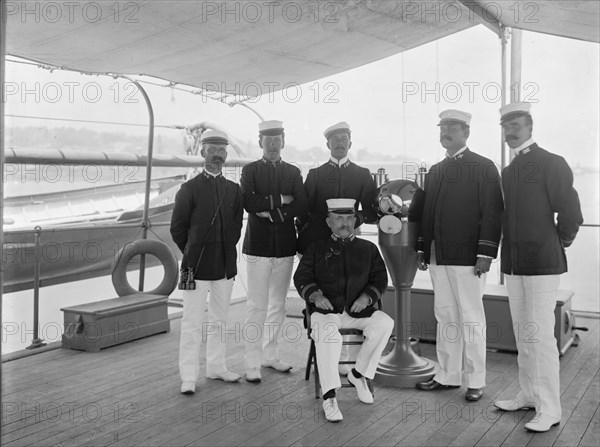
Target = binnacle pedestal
(401,367)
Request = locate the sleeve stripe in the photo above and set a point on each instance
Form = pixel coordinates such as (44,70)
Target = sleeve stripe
(488,243)
(307,288)
(374,289)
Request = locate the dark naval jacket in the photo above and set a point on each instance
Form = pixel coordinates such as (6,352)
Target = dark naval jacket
(462,212)
(330,181)
(537,186)
(263,183)
(196,204)
(343,270)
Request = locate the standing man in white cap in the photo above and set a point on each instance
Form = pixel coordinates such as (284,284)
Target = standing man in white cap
(273,196)
(538,186)
(338,177)
(206,226)
(459,237)
(342,278)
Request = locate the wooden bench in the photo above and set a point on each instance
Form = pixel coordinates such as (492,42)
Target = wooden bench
(97,325)
(499,326)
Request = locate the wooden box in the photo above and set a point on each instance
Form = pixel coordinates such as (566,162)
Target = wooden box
(499,326)
(97,325)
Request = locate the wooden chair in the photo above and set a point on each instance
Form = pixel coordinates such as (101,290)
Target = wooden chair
(312,353)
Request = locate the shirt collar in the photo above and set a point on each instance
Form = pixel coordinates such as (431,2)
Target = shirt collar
(343,241)
(210,174)
(272,163)
(339,163)
(522,149)
(457,154)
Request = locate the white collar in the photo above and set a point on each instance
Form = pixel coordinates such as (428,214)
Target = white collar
(460,151)
(211,174)
(339,239)
(339,162)
(525,145)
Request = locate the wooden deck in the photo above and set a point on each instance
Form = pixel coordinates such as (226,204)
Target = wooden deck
(129,395)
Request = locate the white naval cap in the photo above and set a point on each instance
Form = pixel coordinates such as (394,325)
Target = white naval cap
(342,126)
(514,110)
(341,206)
(453,116)
(271,127)
(214,136)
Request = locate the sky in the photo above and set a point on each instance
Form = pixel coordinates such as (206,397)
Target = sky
(392,105)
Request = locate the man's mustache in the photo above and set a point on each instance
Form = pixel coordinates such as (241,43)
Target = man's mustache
(218,159)
(445,137)
(511,137)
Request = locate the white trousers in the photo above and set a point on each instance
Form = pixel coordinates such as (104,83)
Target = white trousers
(328,343)
(532,302)
(268,286)
(458,307)
(195,328)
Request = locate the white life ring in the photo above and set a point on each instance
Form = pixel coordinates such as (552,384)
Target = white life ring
(145,246)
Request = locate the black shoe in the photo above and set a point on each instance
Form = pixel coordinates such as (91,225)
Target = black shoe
(474,394)
(432,385)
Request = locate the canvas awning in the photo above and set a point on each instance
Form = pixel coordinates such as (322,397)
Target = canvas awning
(236,44)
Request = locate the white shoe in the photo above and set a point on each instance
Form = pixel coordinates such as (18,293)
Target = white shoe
(332,411)
(225,376)
(344,369)
(253,375)
(188,387)
(277,365)
(541,423)
(362,389)
(513,405)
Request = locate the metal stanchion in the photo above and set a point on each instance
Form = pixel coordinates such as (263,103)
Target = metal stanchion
(36,342)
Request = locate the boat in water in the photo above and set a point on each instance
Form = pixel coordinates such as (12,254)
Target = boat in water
(79,233)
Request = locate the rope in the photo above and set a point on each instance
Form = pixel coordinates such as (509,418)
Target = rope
(215,96)
(94,121)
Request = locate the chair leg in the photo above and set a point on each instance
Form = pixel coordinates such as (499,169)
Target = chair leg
(309,362)
(317,381)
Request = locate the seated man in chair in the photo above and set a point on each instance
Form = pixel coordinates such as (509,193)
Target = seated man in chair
(342,278)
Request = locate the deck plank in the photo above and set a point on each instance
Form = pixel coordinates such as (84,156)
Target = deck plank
(592,434)
(582,416)
(573,384)
(462,414)
(131,393)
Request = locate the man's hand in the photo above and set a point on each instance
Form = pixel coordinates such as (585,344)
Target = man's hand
(421,265)
(287,199)
(482,265)
(263,214)
(321,302)
(360,304)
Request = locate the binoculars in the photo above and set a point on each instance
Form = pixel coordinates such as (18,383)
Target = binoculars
(186,279)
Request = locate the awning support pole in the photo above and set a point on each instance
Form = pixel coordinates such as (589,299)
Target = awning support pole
(503,41)
(504,37)
(3,24)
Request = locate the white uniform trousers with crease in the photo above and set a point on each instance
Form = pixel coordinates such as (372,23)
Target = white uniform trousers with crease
(268,286)
(458,308)
(328,343)
(196,328)
(532,302)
